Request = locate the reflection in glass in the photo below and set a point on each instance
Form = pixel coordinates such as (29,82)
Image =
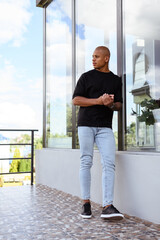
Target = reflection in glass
(142,41)
(58,74)
(95,26)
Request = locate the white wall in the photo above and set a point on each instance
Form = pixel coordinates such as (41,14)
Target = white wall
(137,181)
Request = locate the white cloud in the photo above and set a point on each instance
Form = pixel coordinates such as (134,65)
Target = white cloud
(59,86)
(36,85)
(59,56)
(20,98)
(142,18)
(7,77)
(100,13)
(13,81)
(61,30)
(17,115)
(14,18)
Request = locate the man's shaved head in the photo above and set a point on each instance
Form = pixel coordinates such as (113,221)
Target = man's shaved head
(100,58)
(104,50)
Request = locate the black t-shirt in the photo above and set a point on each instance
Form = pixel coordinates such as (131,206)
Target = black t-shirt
(94,84)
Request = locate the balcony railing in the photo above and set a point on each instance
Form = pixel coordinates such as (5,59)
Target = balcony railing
(23,144)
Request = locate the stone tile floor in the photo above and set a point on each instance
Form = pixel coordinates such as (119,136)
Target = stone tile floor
(39,212)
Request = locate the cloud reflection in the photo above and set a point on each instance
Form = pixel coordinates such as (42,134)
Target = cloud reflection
(142,18)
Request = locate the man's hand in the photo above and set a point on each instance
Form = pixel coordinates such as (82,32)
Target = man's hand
(108,99)
(100,100)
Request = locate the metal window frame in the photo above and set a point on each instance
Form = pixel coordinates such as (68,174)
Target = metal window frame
(121,71)
(73,71)
(44,78)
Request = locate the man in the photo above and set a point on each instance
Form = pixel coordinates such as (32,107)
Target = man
(98,93)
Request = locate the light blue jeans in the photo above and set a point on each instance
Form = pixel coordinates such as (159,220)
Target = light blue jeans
(104,139)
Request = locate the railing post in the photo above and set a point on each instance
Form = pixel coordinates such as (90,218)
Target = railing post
(32,155)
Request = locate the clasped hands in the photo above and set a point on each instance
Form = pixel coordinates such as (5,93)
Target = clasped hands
(107,99)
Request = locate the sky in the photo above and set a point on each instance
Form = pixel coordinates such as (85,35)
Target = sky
(21,65)
(21,53)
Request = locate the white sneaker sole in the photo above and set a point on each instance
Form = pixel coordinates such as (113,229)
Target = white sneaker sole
(113,216)
(85,216)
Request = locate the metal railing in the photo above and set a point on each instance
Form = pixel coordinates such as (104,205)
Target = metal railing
(24,144)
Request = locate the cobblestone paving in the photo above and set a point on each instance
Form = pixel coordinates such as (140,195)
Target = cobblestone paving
(39,212)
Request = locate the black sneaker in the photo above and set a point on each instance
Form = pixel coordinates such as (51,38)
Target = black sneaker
(111,213)
(86,213)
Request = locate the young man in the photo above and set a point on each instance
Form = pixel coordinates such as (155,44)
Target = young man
(98,93)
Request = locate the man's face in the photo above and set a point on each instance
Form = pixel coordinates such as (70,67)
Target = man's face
(99,59)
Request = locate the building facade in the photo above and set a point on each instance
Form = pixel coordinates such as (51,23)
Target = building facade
(72,30)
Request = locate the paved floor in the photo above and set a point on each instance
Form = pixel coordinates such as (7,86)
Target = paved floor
(39,212)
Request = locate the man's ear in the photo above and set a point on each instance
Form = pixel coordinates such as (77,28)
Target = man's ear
(106,59)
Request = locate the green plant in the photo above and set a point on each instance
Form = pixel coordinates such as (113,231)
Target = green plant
(15,163)
(147,114)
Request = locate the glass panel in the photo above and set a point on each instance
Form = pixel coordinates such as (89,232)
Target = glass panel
(96,26)
(142,39)
(58,74)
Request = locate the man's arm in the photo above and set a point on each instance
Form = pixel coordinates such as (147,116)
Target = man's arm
(106,100)
(115,106)
(87,102)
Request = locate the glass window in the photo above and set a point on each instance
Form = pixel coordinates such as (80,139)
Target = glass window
(95,26)
(142,47)
(58,74)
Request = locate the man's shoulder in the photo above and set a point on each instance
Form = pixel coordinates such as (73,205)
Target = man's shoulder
(88,73)
(93,73)
(116,77)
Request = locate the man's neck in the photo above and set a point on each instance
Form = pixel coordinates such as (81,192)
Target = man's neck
(104,69)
